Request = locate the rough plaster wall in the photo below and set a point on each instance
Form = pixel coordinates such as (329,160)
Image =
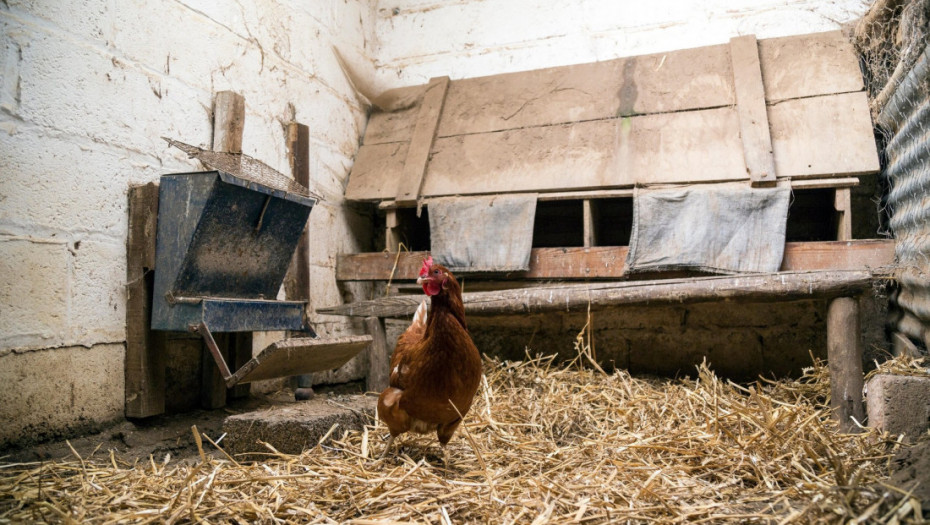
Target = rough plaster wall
(419,39)
(87,87)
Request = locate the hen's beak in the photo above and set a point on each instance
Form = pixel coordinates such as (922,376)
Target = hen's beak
(422,280)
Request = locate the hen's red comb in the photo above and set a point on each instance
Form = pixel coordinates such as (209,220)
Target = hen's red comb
(427,264)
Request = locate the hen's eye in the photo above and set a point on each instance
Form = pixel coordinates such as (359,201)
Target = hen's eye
(436,272)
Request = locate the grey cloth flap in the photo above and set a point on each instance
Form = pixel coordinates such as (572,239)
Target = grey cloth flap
(724,228)
(483,234)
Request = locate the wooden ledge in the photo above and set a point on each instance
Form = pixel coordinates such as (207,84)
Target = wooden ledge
(768,287)
(606,262)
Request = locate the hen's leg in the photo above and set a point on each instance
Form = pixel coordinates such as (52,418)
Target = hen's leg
(387,447)
(445,432)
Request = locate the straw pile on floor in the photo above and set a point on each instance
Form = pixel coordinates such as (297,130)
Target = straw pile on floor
(544,443)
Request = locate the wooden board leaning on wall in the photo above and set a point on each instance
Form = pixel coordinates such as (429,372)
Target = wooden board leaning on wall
(662,118)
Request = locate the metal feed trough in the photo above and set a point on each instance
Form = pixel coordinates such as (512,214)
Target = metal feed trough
(223,246)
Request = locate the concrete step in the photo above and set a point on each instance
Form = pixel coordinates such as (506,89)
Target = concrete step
(899,404)
(295,427)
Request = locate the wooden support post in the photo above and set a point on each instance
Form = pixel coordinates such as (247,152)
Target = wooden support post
(842,203)
(228,125)
(751,108)
(378,359)
(421,142)
(589,231)
(228,122)
(212,382)
(297,280)
(391,239)
(844,356)
(145,349)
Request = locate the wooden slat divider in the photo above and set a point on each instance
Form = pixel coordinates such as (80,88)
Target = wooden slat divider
(751,108)
(421,142)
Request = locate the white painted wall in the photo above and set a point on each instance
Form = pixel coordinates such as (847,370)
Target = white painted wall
(87,87)
(419,39)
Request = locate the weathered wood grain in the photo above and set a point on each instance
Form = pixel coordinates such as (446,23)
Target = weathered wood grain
(228,121)
(606,262)
(421,142)
(750,106)
(145,352)
(829,136)
(782,286)
(681,80)
(844,357)
(297,279)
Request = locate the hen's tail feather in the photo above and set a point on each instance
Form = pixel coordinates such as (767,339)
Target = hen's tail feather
(419,318)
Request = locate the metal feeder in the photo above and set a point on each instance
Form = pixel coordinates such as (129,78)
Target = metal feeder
(223,246)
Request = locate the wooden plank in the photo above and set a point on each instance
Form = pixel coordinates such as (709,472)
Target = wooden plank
(297,279)
(828,136)
(845,182)
(809,65)
(228,121)
(754,288)
(421,142)
(302,355)
(842,203)
(145,352)
(228,126)
(391,237)
(240,353)
(696,146)
(606,262)
(588,225)
(823,136)
(750,106)
(844,357)
(874,254)
(212,382)
(682,80)
(378,359)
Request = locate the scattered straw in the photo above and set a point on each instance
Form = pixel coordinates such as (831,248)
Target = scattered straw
(543,443)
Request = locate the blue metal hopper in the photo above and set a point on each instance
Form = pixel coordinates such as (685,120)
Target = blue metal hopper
(223,246)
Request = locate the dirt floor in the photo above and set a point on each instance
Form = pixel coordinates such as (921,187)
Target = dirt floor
(160,435)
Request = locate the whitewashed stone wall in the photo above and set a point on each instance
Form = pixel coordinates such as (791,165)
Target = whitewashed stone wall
(419,39)
(87,87)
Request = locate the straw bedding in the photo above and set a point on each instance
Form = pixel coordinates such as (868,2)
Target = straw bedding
(544,443)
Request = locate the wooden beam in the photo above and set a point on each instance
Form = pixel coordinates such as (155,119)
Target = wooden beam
(754,288)
(228,121)
(842,203)
(810,184)
(750,105)
(589,226)
(297,279)
(606,262)
(844,357)
(378,358)
(391,238)
(421,142)
(228,127)
(145,349)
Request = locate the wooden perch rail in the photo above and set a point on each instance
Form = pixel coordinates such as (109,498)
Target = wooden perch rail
(784,286)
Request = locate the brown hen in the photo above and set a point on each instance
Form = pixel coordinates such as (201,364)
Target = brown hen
(435,365)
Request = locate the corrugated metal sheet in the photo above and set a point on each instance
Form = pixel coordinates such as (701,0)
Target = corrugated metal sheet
(905,120)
